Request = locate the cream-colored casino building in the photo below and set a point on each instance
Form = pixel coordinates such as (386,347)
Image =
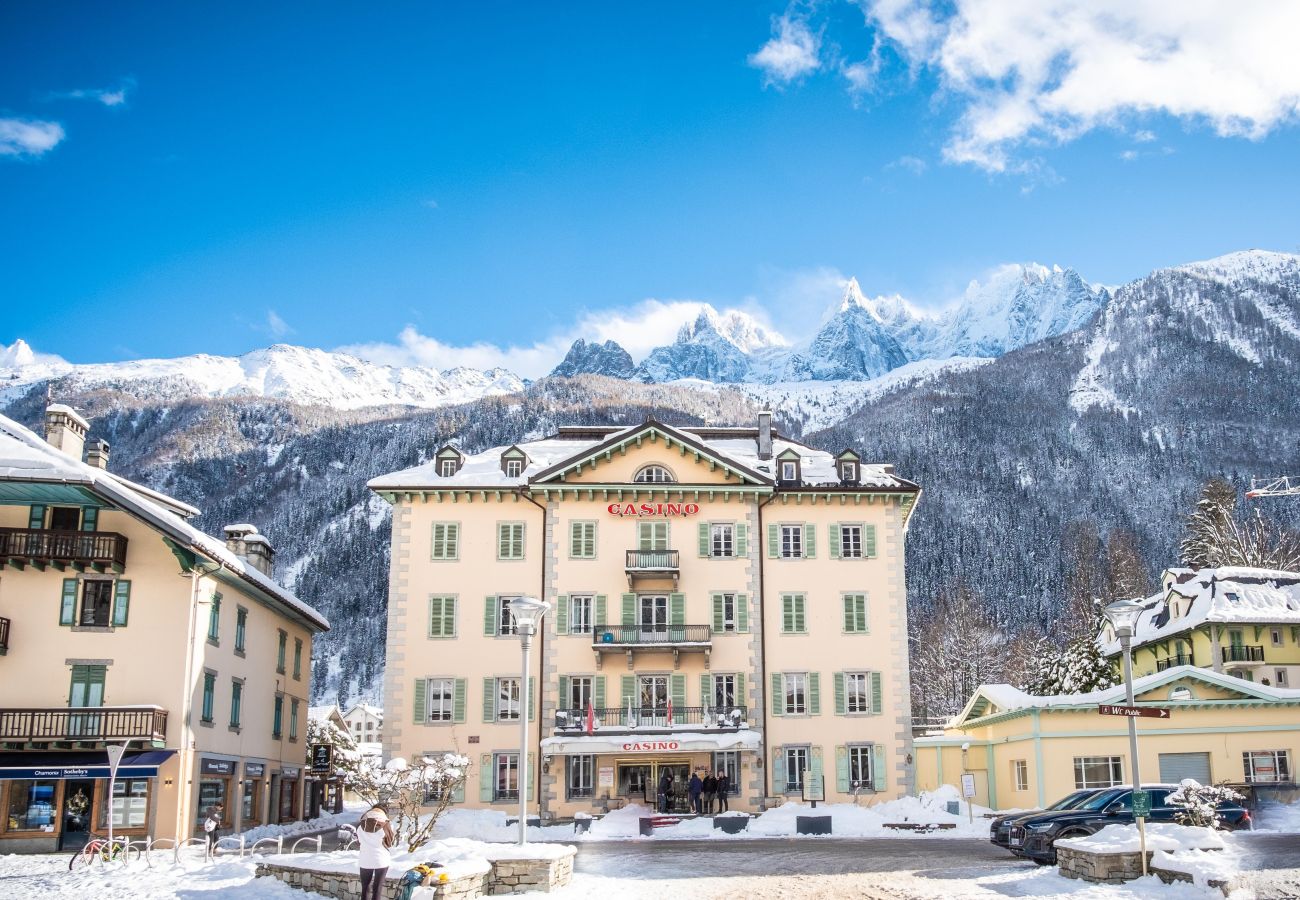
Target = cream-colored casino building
(750,584)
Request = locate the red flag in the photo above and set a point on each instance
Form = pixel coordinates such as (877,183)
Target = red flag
(670,710)
(591,718)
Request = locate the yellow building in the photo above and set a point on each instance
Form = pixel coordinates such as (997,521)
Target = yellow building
(1026,751)
(121,623)
(722,598)
(1242,621)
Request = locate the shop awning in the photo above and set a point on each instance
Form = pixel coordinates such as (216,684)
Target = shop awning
(90,764)
(663,742)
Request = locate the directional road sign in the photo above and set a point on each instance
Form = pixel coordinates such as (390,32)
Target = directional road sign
(1134,712)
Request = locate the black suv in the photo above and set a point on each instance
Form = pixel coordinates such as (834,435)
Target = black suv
(1000,827)
(1035,837)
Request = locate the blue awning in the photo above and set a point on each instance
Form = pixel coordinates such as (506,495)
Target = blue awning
(92,764)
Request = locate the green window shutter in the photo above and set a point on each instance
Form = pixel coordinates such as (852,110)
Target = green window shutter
(491,616)
(600,609)
(862,614)
(598,692)
(818,774)
(773,541)
(840,707)
(435,617)
(742,540)
(677,609)
(834,548)
(849,619)
(458,700)
(842,770)
(532,691)
(121,603)
(68,606)
(575,539)
(869,540)
(677,689)
(562,614)
(704,539)
(418,705)
(800,602)
(36,517)
(814,693)
(778,695)
(787,613)
(629,690)
(876,704)
(717,612)
(740,690)
(89,518)
(809,541)
(458,793)
(706,690)
(528,779)
(564,693)
(485,777)
(489,700)
(778,771)
(878,767)
(503,541)
(629,610)
(742,613)
(449,616)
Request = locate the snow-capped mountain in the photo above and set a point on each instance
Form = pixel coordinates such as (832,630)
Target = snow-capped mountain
(713,347)
(281,372)
(584,358)
(854,345)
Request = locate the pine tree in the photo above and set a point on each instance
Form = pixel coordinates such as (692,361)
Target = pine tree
(1126,573)
(1209,527)
(1075,669)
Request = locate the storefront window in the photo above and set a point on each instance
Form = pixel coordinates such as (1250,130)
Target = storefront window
(130,806)
(31,806)
(211,792)
(288,790)
(249,813)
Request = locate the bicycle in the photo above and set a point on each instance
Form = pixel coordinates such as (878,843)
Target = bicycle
(99,848)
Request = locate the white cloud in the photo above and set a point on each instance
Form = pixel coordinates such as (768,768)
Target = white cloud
(107,96)
(1128,155)
(859,75)
(1042,71)
(20,353)
(1143,136)
(277,326)
(913,164)
(790,54)
(28,137)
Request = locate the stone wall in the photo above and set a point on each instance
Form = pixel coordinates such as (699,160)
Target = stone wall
(518,876)
(1104,868)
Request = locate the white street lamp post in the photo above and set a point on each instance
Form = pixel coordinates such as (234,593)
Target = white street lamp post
(115,754)
(527,613)
(1123,616)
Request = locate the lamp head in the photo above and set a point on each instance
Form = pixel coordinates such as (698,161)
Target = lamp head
(527,613)
(1123,615)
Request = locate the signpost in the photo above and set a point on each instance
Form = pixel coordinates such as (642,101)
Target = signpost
(1134,712)
(322,759)
(1141,804)
(968,791)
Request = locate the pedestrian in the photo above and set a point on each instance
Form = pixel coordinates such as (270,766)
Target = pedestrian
(665,790)
(724,788)
(375,835)
(710,791)
(212,822)
(694,789)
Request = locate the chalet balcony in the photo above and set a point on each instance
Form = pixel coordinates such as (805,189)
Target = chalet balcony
(643,718)
(91,724)
(1243,653)
(96,551)
(1178,659)
(630,638)
(653,564)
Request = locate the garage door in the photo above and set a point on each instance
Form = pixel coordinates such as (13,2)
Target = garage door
(1174,767)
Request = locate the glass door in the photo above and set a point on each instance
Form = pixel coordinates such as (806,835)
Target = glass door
(78,812)
(654,700)
(654,618)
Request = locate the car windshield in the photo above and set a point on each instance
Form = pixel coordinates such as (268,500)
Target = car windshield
(1072,801)
(1100,800)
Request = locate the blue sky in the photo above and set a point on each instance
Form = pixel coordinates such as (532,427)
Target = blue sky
(492,180)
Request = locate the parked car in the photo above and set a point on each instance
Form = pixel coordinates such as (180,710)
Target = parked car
(1035,837)
(1000,827)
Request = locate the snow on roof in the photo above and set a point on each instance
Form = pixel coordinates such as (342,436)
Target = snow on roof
(1228,595)
(70,412)
(26,457)
(322,713)
(375,711)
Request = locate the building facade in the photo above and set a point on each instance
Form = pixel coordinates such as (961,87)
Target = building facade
(121,623)
(365,723)
(721,599)
(1241,621)
(1026,751)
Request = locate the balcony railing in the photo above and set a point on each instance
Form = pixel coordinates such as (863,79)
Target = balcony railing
(730,718)
(80,550)
(94,723)
(653,564)
(4,635)
(1178,659)
(623,636)
(1239,653)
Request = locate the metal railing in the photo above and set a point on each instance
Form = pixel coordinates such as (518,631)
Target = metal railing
(103,548)
(4,634)
(92,723)
(653,560)
(1178,659)
(1243,653)
(626,635)
(730,718)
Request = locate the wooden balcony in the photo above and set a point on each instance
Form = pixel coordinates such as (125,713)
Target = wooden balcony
(4,635)
(631,638)
(96,551)
(653,564)
(93,724)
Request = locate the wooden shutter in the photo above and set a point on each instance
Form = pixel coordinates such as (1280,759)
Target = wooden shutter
(504,540)
(742,613)
(834,548)
(435,617)
(600,612)
(868,540)
(860,612)
(814,693)
(706,691)
(742,540)
(849,618)
(677,690)
(598,692)
(773,541)
(778,771)
(704,538)
(842,770)
(717,612)
(575,539)
(876,699)
(419,709)
(439,544)
(36,517)
(89,518)
(121,602)
(491,616)
(564,693)
(485,777)
(740,691)
(453,540)
(489,700)
(878,767)
(787,613)
(562,614)
(68,605)
(676,609)
(778,695)
(809,540)
(629,610)
(840,705)
(818,774)
(628,690)
(458,700)
(528,779)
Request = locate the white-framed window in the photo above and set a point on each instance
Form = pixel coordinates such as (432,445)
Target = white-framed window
(1020,773)
(1098,771)
(440,699)
(447,467)
(789,471)
(722,541)
(791,541)
(580,613)
(652,536)
(728,612)
(654,614)
(510,540)
(793,620)
(1275,635)
(446,540)
(851,541)
(580,776)
(514,468)
(1264,766)
(1281,678)
(860,762)
(582,540)
(653,475)
(849,471)
(857,695)
(507,776)
(796,693)
(724,692)
(654,692)
(508,700)
(796,763)
(579,693)
(505,618)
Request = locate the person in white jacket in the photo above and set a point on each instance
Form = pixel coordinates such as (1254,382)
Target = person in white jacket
(375,835)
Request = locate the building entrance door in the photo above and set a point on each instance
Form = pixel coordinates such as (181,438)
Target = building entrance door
(78,814)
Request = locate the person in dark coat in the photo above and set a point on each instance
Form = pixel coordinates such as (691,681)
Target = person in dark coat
(694,789)
(723,789)
(665,790)
(710,791)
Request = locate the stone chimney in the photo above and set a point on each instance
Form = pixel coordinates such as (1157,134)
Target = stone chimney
(65,429)
(248,545)
(97,454)
(765,435)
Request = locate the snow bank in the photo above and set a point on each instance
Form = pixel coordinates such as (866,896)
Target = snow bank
(490,825)
(619,823)
(1164,836)
(351,813)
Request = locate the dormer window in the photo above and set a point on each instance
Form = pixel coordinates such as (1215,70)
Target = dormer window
(513,462)
(447,467)
(789,471)
(653,475)
(848,472)
(788,467)
(514,468)
(448,461)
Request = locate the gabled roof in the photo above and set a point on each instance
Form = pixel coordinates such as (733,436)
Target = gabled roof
(514,451)
(848,453)
(448,450)
(789,453)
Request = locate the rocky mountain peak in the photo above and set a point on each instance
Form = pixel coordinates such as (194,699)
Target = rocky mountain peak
(584,358)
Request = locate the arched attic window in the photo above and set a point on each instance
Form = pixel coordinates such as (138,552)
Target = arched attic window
(653,475)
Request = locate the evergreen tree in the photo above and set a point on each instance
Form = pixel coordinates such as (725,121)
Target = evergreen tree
(1075,669)
(1126,573)
(1209,527)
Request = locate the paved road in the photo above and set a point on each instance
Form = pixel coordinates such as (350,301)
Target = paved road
(1271,851)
